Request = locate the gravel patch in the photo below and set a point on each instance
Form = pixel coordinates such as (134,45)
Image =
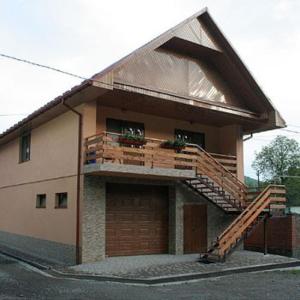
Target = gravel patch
(123,265)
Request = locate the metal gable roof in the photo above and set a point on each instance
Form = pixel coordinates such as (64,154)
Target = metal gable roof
(213,29)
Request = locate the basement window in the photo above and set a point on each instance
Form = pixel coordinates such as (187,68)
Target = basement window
(61,200)
(41,201)
(25,141)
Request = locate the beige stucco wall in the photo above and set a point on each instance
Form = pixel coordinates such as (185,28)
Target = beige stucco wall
(89,111)
(231,143)
(53,153)
(19,215)
(51,169)
(158,127)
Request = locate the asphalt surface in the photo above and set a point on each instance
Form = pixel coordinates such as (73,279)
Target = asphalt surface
(19,281)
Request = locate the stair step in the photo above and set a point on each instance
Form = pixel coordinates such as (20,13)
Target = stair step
(207,187)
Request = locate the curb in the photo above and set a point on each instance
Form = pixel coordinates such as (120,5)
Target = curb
(27,261)
(176,278)
(154,280)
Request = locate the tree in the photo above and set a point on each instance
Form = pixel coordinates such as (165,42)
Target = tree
(292,184)
(281,160)
(276,160)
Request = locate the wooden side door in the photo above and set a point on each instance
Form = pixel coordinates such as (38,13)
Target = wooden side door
(195,228)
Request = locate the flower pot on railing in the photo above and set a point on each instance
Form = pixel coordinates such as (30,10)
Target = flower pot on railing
(91,157)
(177,145)
(132,140)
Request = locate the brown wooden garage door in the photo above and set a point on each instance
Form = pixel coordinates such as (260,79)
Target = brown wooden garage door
(136,219)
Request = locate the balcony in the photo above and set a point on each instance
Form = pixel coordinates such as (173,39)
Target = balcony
(105,154)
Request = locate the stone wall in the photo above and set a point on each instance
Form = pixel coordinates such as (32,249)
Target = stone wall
(175,222)
(93,219)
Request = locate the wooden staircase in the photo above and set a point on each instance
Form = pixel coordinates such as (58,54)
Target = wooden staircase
(223,189)
(217,184)
(272,197)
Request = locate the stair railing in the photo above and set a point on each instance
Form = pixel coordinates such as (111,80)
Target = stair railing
(248,216)
(225,178)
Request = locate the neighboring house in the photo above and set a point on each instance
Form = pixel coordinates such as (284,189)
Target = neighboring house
(293,210)
(89,175)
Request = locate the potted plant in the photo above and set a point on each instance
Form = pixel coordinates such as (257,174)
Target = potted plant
(176,144)
(91,155)
(132,139)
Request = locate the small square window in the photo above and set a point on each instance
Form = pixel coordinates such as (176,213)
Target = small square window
(41,201)
(61,200)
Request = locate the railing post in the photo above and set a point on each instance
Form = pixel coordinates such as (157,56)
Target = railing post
(152,158)
(265,236)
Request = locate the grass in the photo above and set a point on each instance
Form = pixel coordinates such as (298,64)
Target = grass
(293,272)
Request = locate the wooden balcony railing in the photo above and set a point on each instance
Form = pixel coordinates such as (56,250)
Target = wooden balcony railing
(105,148)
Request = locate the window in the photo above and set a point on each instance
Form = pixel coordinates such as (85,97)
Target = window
(121,126)
(61,200)
(25,147)
(41,201)
(191,137)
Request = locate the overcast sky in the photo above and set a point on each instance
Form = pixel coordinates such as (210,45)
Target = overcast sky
(84,36)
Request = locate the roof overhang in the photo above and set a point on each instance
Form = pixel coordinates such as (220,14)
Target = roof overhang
(128,98)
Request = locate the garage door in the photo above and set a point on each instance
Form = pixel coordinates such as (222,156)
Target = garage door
(136,219)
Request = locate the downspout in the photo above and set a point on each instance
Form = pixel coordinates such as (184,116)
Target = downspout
(78,252)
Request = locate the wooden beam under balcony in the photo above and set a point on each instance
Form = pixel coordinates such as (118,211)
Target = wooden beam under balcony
(123,170)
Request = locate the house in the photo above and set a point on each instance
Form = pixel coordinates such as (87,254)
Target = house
(146,157)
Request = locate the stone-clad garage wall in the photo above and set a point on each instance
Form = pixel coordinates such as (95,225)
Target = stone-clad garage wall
(93,219)
(217,220)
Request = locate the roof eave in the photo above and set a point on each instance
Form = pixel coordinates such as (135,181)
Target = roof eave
(233,54)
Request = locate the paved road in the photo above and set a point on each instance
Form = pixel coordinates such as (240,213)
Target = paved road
(17,281)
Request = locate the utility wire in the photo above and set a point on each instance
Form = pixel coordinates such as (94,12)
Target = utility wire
(51,68)
(48,68)
(10,115)
(42,66)
(288,130)
(290,125)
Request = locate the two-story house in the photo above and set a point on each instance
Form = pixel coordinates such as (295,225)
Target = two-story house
(146,157)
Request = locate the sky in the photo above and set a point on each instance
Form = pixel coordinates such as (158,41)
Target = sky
(85,36)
